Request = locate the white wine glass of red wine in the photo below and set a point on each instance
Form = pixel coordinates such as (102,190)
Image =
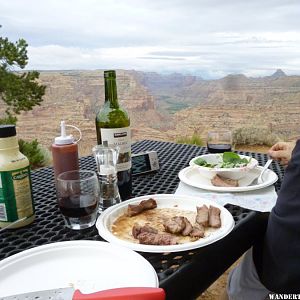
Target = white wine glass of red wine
(78,198)
(219,141)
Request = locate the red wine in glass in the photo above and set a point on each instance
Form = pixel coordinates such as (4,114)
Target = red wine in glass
(218,148)
(77,206)
(219,141)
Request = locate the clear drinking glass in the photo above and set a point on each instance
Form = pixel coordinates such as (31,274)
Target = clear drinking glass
(78,198)
(219,141)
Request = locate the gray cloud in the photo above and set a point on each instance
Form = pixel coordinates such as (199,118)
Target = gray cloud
(161,58)
(175,53)
(203,36)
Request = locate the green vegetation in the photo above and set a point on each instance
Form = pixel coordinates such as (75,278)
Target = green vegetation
(38,156)
(254,136)
(203,163)
(19,91)
(227,160)
(171,105)
(9,119)
(195,139)
(233,160)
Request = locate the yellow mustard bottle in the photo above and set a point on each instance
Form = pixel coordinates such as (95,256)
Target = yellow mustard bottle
(16,202)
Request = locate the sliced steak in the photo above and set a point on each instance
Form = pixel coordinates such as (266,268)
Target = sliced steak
(218,180)
(148,238)
(197,231)
(214,217)
(174,225)
(148,204)
(138,229)
(188,227)
(135,209)
(202,215)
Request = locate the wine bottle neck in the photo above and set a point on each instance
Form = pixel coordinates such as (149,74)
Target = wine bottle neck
(111,95)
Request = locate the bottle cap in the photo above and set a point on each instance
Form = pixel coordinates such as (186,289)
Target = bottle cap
(63,139)
(7,131)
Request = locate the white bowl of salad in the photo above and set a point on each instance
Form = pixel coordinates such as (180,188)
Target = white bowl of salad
(227,165)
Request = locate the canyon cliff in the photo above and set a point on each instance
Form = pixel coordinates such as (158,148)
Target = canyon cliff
(164,107)
(76,97)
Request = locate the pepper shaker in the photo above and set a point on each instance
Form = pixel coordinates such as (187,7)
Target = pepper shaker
(106,160)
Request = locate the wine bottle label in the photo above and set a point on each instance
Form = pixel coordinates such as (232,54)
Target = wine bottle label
(119,137)
(15,195)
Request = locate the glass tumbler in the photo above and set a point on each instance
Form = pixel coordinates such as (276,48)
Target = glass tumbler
(219,141)
(78,198)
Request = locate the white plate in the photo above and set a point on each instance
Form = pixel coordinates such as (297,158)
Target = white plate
(108,217)
(192,177)
(88,265)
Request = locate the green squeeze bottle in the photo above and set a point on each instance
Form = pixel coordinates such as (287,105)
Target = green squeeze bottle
(113,127)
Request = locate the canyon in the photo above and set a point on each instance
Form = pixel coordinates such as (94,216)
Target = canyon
(164,107)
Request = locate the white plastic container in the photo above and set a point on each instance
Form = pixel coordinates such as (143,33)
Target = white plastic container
(16,202)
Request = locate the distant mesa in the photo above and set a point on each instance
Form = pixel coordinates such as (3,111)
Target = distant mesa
(235,77)
(278,74)
(239,76)
(233,81)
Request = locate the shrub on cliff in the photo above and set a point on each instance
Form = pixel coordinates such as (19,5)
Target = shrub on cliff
(195,139)
(254,136)
(37,155)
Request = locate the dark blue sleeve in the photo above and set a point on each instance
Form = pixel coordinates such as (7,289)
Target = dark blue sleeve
(279,264)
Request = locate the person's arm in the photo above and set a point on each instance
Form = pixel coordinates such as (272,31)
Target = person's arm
(282,152)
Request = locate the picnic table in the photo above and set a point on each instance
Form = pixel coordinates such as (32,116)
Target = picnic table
(183,275)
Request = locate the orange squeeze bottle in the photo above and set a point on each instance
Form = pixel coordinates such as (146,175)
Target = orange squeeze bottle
(65,152)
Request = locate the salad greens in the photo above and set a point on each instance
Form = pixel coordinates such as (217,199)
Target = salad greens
(203,163)
(227,160)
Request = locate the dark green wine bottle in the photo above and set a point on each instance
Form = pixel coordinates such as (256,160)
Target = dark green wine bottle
(113,126)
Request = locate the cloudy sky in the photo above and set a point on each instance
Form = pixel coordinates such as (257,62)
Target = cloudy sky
(210,38)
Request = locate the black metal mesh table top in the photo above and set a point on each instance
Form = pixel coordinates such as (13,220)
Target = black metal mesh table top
(49,226)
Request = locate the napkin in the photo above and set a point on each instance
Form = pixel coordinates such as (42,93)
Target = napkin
(260,200)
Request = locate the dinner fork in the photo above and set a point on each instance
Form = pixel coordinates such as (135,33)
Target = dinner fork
(258,179)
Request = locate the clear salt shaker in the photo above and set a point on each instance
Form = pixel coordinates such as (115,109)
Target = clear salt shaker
(106,160)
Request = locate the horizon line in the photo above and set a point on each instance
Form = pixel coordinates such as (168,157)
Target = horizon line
(164,73)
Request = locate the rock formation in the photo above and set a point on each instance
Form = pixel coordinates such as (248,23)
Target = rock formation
(156,104)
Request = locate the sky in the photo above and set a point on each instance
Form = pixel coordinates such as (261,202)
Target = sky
(209,38)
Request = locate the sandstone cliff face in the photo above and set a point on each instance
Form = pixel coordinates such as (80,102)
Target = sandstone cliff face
(237,101)
(231,102)
(76,96)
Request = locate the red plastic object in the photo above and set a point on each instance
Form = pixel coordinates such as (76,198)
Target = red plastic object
(130,293)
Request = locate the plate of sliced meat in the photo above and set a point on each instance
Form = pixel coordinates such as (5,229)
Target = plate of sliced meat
(192,177)
(165,223)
